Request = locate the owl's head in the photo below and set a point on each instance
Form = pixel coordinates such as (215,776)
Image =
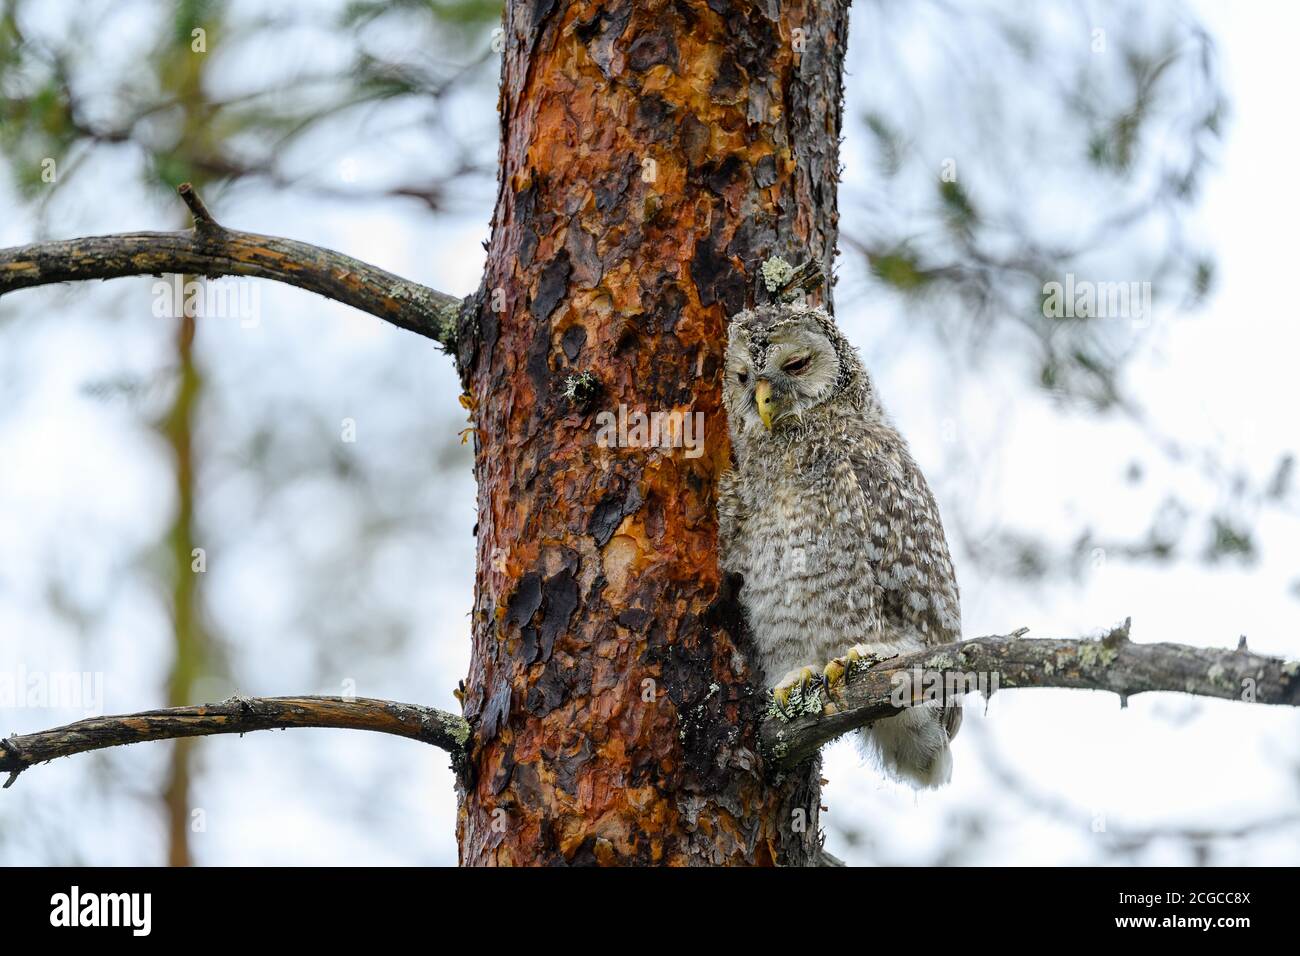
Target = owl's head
(784,361)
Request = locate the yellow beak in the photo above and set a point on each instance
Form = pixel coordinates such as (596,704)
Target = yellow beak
(763,397)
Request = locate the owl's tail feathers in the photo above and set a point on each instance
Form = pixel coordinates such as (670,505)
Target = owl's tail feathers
(913,747)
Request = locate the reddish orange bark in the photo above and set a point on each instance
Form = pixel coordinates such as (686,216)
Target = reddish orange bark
(653,155)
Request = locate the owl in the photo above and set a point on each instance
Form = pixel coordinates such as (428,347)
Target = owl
(832,526)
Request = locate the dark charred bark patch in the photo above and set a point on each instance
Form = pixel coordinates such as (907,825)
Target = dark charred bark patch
(495,714)
(525,601)
(559,601)
(716,278)
(538,363)
(718,176)
(652,48)
(547,693)
(652,117)
(610,512)
(572,341)
(629,337)
(634,618)
(551,288)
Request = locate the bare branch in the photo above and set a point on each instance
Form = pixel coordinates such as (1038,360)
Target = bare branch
(198,208)
(237,715)
(1112,663)
(211,250)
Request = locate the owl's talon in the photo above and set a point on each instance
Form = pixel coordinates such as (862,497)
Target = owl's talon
(838,671)
(860,656)
(834,673)
(800,679)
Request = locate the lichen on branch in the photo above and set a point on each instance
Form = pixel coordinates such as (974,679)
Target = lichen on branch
(1111,663)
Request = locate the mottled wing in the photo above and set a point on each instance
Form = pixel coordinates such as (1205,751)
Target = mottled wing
(915,584)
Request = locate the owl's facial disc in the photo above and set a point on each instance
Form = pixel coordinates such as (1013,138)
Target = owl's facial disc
(796,373)
(781,365)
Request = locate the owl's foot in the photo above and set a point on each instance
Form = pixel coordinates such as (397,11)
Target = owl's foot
(795,688)
(858,658)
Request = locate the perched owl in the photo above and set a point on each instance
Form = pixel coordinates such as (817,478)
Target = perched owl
(830,522)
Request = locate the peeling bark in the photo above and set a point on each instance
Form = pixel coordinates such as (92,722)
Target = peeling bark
(652,155)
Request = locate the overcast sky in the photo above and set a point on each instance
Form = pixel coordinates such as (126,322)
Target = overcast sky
(83,490)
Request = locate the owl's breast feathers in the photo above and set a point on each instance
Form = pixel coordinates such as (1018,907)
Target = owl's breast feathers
(794,528)
(838,541)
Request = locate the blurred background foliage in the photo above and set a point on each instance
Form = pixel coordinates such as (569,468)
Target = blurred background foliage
(990,148)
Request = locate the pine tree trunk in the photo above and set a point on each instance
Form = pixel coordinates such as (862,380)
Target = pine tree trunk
(653,155)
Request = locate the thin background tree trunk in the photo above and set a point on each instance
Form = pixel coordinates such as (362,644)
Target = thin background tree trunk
(653,155)
(181,72)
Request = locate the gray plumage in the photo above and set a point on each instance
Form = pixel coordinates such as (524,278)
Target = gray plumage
(831,523)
